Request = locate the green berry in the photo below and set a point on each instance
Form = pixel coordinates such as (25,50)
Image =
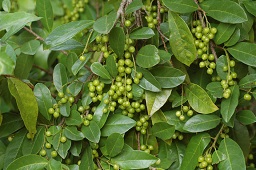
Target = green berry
(54,154)
(247,97)
(43,152)
(63,139)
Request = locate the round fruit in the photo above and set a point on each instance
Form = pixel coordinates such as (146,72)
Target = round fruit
(51,110)
(200,159)
(63,139)
(54,154)
(48,145)
(48,133)
(43,152)
(115,167)
(56,114)
(247,97)
(127,23)
(82,58)
(182,117)
(143,147)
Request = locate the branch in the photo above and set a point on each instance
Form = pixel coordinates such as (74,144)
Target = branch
(158,24)
(42,69)
(33,33)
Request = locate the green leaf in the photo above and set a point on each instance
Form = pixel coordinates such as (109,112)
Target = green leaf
(60,78)
(7,65)
(224,32)
(224,11)
(163,130)
(87,159)
(111,66)
(200,123)
(72,133)
(44,99)
(30,47)
(13,149)
(195,148)
(117,40)
(147,56)
(233,153)
(66,31)
(105,23)
(63,148)
(177,151)
(228,106)
(221,62)
(248,81)
(114,144)
(134,6)
(246,117)
(76,148)
(92,132)
(244,52)
(215,89)
(35,145)
(99,117)
(53,164)
(199,100)
(218,156)
(74,118)
(181,39)
(172,119)
(65,109)
(75,87)
(98,69)
(164,56)
(78,65)
(155,100)
(67,45)
(168,77)
(234,38)
(137,91)
(6,4)
(26,102)
(250,6)
(44,10)
(34,162)
(181,6)
(134,159)
(117,123)
(148,81)
(24,64)
(142,33)
(10,124)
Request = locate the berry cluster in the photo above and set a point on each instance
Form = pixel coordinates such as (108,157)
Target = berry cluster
(96,90)
(87,119)
(151,17)
(177,135)
(205,162)
(184,109)
(224,133)
(142,124)
(146,148)
(74,14)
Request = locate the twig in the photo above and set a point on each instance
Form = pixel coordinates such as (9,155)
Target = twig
(120,11)
(33,33)
(213,50)
(42,69)
(158,24)
(138,140)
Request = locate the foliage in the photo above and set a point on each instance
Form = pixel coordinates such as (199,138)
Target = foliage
(127,84)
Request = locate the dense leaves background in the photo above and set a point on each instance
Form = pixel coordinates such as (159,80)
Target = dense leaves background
(127,84)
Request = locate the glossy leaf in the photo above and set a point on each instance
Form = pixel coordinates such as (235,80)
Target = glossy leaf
(30,47)
(105,23)
(181,6)
(246,117)
(248,81)
(234,38)
(163,130)
(158,117)
(6,5)
(67,31)
(74,118)
(244,52)
(67,45)
(250,6)
(117,124)
(72,133)
(228,106)
(224,32)
(114,144)
(63,148)
(134,159)
(99,117)
(215,89)
(199,100)
(87,159)
(134,6)
(98,69)
(177,150)
(117,40)
(26,102)
(137,91)
(44,10)
(148,81)
(172,119)
(24,64)
(10,124)
(200,123)
(76,148)
(233,155)
(34,162)
(168,77)
(195,148)
(78,65)
(7,65)
(75,87)
(142,33)
(221,62)
(147,56)
(224,11)
(181,39)
(92,132)
(218,156)
(60,78)
(65,109)
(54,164)
(155,101)
(14,149)
(111,66)
(44,99)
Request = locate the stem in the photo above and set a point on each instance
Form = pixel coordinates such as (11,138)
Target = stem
(158,24)
(42,69)
(216,138)
(33,33)
(138,140)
